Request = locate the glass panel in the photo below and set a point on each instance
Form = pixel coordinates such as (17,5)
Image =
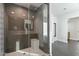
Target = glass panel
(17,30)
(27,32)
(44,41)
(38,29)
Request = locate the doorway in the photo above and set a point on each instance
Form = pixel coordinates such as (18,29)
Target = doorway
(73,29)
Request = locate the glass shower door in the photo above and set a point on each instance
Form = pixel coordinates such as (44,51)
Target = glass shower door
(37,30)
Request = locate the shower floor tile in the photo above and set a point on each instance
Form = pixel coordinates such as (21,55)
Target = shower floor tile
(32,51)
(27,52)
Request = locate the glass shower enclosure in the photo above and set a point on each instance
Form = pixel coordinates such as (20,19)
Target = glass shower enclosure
(29,33)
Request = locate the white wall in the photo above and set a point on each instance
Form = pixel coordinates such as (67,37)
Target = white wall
(62,20)
(62,30)
(60,33)
(52,20)
(1,29)
(63,25)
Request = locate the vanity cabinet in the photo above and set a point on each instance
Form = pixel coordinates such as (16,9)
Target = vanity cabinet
(24,42)
(20,36)
(11,44)
(13,37)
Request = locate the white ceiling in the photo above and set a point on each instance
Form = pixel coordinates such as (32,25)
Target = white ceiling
(27,5)
(57,8)
(64,8)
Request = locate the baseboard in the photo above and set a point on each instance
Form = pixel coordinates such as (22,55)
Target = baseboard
(60,41)
(74,40)
(64,41)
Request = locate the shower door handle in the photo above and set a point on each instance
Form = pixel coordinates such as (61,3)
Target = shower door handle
(54,29)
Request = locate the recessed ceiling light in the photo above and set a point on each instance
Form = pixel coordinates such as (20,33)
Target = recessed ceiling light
(24,15)
(12,12)
(33,17)
(65,8)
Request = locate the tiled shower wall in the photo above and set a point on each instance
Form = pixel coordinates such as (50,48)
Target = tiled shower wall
(1,29)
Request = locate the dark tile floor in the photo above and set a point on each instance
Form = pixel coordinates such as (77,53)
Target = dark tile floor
(64,49)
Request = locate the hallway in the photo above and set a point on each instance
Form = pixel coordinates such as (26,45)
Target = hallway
(64,49)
